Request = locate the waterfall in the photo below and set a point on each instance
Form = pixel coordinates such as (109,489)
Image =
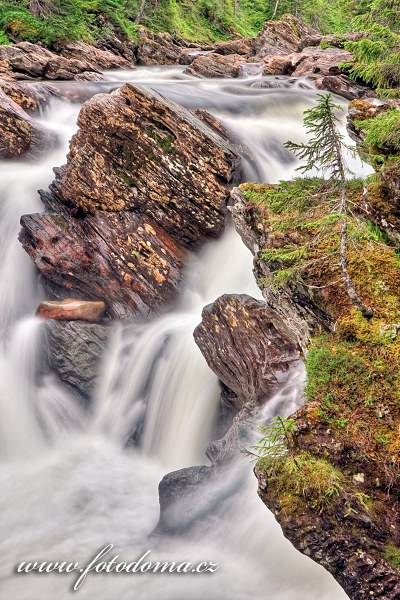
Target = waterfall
(70,482)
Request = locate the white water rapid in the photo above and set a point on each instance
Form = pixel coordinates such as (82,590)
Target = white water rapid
(70,484)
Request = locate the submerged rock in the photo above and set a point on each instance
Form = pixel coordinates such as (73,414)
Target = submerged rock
(20,134)
(74,352)
(246,345)
(71,310)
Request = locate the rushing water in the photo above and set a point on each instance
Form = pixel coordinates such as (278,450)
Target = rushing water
(70,485)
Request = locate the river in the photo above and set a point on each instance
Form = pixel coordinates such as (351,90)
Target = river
(70,483)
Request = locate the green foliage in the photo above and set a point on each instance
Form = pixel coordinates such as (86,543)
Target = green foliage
(383,132)
(392,555)
(377,57)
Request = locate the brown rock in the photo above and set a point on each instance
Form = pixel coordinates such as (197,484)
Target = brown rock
(33,61)
(124,259)
(318,61)
(216,65)
(29,96)
(156,49)
(101,58)
(20,134)
(343,86)
(72,310)
(335,40)
(276,37)
(136,150)
(276,65)
(242,46)
(300,28)
(246,345)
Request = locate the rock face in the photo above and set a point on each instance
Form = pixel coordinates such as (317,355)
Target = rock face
(153,156)
(26,60)
(382,200)
(74,352)
(21,135)
(145,179)
(276,37)
(71,310)
(246,346)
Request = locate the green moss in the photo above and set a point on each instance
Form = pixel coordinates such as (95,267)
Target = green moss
(163,138)
(303,476)
(392,555)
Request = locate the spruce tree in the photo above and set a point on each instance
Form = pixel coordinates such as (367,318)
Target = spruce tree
(325,152)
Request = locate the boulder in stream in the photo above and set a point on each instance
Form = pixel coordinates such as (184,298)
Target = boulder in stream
(20,134)
(246,345)
(74,352)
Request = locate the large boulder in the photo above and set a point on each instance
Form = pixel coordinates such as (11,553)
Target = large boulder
(100,57)
(246,345)
(29,96)
(136,150)
(26,60)
(276,37)
(123,258)
(20,134)
(74,352)
(156,49)
(318,61)
(216,65)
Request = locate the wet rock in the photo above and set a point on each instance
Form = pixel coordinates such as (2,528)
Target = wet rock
(156,49)
(74,352)
(276,65)
(26,60)
(122,258)
(276,37)
(71,310)
(246,345)
(216,65)
(149,155)
(318,61)
(100,57)
(20,134)
(251,69)
(29,96)
(178,492)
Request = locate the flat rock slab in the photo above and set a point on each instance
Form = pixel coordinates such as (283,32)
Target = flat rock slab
(72,310)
